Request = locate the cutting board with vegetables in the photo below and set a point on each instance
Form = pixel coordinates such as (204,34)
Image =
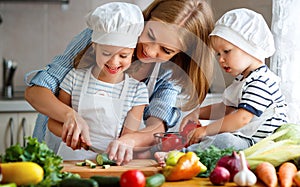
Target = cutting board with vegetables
(147,166)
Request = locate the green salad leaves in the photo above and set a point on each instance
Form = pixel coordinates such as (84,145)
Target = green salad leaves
(39,153)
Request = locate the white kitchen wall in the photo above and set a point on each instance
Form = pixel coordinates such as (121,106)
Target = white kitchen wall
(33,33)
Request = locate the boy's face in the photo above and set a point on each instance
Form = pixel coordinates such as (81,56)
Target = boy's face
(232,59)
(113,60)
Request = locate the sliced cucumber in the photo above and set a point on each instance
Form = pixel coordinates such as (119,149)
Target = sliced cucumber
(102,159)
(90,163)
(80,164)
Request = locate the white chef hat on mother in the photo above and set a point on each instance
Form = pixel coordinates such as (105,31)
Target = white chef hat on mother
(116,24)
(247,30)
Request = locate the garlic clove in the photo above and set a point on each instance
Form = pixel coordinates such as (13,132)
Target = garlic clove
(244,177)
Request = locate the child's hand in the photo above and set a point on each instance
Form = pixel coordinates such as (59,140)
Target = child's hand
(196,135)
(121,150)
(193,116)
(160,157)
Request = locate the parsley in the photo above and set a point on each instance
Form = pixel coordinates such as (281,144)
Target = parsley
(210,156)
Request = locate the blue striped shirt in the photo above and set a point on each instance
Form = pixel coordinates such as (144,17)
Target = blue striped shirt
(260,90)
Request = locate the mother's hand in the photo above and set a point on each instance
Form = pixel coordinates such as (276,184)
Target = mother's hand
(121,150)
(75,131)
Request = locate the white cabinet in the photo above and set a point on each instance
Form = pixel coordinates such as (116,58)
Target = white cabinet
(14,127)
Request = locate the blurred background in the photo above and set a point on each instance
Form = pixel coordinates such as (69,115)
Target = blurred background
(32,32)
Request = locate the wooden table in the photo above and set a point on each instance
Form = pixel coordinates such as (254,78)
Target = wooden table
(147,166)
(201,182)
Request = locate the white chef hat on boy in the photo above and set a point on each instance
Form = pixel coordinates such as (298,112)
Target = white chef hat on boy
(116,23)
(247,30)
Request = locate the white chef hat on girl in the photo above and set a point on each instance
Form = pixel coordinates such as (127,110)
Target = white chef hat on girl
(247,30)
(116,24)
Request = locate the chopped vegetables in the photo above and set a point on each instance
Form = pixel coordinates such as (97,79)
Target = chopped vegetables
(86,162)
(90,163)
(80,164)
(106,166)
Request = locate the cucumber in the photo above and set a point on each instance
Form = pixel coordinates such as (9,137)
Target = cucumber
(90,163)
(107,181)
(102,159)
(78,182)
(80,164)
(155,180)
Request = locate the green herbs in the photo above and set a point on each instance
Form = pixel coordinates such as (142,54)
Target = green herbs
(210,156)
(39,153)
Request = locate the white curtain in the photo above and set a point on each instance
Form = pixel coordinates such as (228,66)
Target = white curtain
(286,60)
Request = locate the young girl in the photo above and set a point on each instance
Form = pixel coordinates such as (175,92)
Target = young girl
(253,104)
(109,101)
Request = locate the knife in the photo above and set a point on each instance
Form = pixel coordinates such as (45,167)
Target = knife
(94,149)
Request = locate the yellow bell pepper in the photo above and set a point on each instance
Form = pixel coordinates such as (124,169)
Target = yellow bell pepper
(187,167)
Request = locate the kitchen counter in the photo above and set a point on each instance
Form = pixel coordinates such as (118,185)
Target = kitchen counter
(16,104)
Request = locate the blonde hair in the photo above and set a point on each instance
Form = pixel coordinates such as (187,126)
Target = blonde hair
(197,20)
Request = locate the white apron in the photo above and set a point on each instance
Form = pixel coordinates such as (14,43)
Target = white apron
(232,96)
(103,115)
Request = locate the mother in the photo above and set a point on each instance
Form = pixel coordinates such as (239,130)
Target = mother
(175,35)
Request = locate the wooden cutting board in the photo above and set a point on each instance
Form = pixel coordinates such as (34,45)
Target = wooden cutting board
(147,166)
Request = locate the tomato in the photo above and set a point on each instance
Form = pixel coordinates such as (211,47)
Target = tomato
(191,125)
(171,142)
(132,178)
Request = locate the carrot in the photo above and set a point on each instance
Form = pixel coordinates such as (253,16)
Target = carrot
(286,172)
(297,178)
(266,172)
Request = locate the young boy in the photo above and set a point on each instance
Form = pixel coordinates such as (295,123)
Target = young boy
(253,104)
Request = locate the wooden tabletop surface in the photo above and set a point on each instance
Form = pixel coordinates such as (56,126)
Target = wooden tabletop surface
(147,166)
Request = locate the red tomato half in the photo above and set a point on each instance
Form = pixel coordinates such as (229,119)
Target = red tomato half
(132,178)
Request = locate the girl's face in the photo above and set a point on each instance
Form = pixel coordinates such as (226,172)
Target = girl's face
(112,60)
(232,59)
(157,43)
